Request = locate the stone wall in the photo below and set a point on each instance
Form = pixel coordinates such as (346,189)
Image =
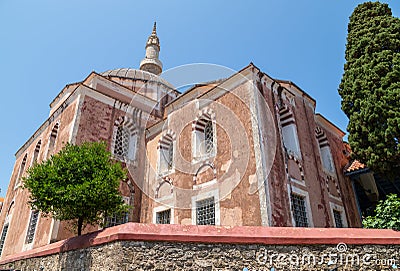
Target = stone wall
(141,247)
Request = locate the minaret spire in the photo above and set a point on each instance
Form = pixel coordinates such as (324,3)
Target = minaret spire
(150,62)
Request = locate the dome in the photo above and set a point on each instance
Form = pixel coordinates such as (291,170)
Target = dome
(133,74)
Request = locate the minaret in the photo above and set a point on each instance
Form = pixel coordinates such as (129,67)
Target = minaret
(151,63)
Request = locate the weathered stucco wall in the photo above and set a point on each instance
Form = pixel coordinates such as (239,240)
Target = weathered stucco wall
(16,210)
(234,180)
(176,247)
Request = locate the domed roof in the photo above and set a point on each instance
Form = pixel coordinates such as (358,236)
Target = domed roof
(133,74)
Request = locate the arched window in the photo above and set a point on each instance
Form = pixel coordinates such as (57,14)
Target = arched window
(204,136)
(21,170)
(33,221)
(52,140)
(166,153)
(125,140)
(36,152)
(6,225)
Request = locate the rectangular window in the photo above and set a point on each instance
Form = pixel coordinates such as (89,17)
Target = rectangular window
(125,143)
(32,227)
(327,160)
(290,139)
(115,220)
(208,138)
(337,215)
(204,139)
(164,217)
(3,237)
(299,210)
(121,146)
(205,212)
(166,158)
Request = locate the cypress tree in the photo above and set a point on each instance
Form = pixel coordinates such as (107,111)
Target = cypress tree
(370,87)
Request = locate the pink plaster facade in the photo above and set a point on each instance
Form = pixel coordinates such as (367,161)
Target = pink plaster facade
(248,172)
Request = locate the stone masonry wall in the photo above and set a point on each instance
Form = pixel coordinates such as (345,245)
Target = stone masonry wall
(160,256)
(155,247)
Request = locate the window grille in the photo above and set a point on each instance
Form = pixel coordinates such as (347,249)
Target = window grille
(32,227)
(204,138)
(121,146)
(115,220)
(163,217)
(3,237)
(209,137)
(205,212)
(299,210)
(338,219)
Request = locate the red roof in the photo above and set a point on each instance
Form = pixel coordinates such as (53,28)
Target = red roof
(354,166)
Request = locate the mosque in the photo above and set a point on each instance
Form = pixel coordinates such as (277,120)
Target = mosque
(247,150)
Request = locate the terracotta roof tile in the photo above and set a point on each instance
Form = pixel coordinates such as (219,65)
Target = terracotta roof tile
(354,166)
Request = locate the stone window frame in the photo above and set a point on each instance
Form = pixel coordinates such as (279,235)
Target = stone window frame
(209,194)
(167,142)
(163,208)
(36,152)
(303,193)
(204,118)
(324,149)
(130,127)
(289,132)
(342,212)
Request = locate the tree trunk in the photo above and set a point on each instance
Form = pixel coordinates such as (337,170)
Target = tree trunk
(80,224)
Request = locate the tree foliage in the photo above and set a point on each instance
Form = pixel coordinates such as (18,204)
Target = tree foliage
(387,214)
(80,183)
(370,87)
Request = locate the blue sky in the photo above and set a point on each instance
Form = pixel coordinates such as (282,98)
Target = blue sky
(48,44)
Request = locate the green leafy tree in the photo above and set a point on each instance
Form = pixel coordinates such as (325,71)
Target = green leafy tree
(370,87)
(80,183)
(387,214)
